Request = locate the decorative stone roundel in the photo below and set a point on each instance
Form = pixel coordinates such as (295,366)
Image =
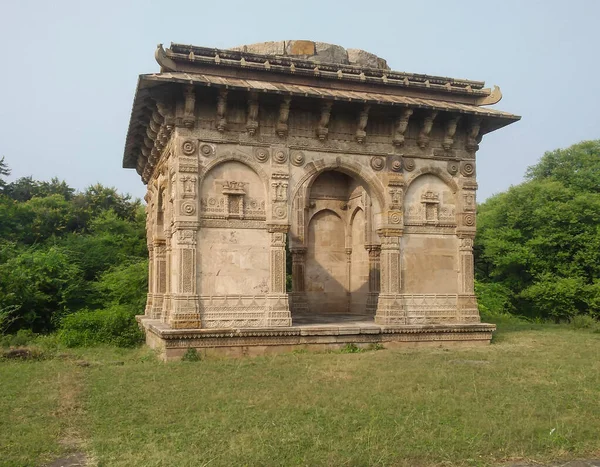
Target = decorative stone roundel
(395,218)
(297,158)
(261,154)
(396,165)
(467,169)
(279,212)
(469,219)
(377,163)
(188,147)
(206,150)
(409,164)
(452,167)
(280,156)
(188,208)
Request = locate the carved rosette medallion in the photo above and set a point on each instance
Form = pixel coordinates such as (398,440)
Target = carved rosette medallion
(409,164)
(469,219)
(453,167)
(467,169)
(297,158)
(396,165)
(188,208)
(377,163)
(188,147)
(280,156)
(207,150)
(395,217)
(279,211)
(261,154)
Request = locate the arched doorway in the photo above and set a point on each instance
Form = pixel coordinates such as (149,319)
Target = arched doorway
(338,231)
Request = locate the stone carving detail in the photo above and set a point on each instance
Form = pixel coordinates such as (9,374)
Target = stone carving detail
(221,110)
(395,217)
(409,164)
(188,147)
(401,125)
(297,158)
(284,113)
(450,132)
(280,156)
(469,219)
(207,150)
(430,211)
(186,237)
(423,139)
(453,167)
(473,135)
(252,120)
(188,185)
(396,164)
(397,196)
(189,109)
(469,200)
(363,118)
(322,128)
(261,154)
(466,243)
(467,169)
(188,208)
(377,163)
(279,197)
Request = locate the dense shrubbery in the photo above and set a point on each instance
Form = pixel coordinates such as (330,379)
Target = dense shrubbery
(537,249)
(70,260)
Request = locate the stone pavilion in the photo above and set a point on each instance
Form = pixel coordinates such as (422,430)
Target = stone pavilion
(365,176)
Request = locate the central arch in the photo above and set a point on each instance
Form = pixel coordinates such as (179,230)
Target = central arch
(333,228)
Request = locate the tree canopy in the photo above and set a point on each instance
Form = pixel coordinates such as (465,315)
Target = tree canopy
(539,242)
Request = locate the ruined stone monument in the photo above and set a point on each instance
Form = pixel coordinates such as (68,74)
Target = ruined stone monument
(368,174)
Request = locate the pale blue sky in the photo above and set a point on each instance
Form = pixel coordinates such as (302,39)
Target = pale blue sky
(69,69)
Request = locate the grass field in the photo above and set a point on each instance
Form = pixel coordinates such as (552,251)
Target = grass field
(533,394)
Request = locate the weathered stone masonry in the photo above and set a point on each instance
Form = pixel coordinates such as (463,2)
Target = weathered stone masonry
(370,173)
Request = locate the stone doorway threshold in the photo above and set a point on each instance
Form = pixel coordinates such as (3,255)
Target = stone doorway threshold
(307,333)
(332,319)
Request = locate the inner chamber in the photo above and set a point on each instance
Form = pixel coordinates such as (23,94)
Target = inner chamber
(338,235)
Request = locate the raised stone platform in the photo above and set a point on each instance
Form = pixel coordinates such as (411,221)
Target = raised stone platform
(315,333)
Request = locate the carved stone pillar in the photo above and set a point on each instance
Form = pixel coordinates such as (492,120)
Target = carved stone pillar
(278,309)
(389,308)
(149,295)
(159,278)
(467,302)
(374,277)
(184,296)
(349,279)
(298,302)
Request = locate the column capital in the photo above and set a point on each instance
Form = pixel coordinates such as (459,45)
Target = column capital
(389,232)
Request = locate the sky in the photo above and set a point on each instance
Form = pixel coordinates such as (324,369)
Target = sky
(70,69)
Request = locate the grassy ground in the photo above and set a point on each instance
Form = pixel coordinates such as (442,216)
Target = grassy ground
(533,394)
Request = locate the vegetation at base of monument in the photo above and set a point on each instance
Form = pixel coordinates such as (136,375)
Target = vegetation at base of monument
(537,250)
(531,397)
(74,261)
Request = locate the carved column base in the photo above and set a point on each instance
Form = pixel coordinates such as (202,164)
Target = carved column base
(157,306)
(278,311)
(185,312)
(148,308)
(468,312)
(298,302)
(390,310)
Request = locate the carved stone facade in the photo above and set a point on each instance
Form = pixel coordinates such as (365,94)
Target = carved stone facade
(367,174)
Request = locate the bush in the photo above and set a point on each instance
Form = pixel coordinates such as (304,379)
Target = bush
(22,338)
(494,298)
(585,322)
(191,355)
(115,325)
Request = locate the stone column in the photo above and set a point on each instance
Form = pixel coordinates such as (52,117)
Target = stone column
(148,309)
(467,302)
(390,310)
(298,302)
(159,278)
(278,309)
(349,279)
(374,277)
